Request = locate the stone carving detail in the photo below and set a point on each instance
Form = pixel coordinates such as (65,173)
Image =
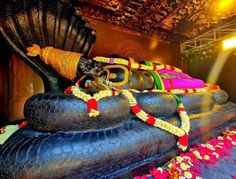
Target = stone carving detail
(163,19)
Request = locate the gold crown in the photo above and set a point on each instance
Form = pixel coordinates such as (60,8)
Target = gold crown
(64,62)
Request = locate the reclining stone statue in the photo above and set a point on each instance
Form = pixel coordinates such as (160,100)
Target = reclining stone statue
(100,117)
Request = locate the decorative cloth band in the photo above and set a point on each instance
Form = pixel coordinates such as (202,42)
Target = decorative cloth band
(157,78)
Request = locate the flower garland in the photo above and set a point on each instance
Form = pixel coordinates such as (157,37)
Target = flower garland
(92,101)
(181,132)
(134,65)
(185,165)
(179,91)
(174,91)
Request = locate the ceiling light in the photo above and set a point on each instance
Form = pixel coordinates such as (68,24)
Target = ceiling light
(229,43)
(223,5)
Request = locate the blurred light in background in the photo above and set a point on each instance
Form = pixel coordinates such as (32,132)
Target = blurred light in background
(223,5)
(153,44)
(229,43)
(158,60)
(217,67)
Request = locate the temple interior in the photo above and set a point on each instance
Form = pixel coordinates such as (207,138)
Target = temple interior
(196,36)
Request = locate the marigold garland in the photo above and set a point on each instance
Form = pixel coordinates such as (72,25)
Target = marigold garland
(134,65)
(92,101)
(186,165)
(182,132)
(172,91)
(178,91)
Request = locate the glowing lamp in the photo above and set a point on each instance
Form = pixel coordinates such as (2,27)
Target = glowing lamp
(229,43)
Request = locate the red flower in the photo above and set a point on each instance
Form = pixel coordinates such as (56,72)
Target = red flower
(23,124)
(136,109)
(68,90)
(92,104)
(151,120)
(183,140)
(159,173)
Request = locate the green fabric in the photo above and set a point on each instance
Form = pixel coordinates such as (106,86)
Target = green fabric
(157,78)
(178,100)
(9,130)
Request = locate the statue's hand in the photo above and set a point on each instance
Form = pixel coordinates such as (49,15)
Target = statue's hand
(90,67)
(92,84)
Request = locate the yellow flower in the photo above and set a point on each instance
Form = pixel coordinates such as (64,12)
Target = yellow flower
(93,113)
(188,174)
(197,154)
(209,146)
(179,159)
(206,157)
(183,166)
(216,154)
(229,138)
(183,148)
(218,146)
(170,165)
(160,169)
